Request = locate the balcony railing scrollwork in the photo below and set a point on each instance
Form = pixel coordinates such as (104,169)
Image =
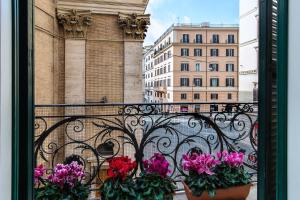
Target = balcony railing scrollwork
(94,132)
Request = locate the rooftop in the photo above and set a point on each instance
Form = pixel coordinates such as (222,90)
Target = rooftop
(191,25)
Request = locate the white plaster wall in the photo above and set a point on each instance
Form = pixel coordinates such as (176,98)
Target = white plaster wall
(248,57)
(245,4)
(5,100)
(293,101)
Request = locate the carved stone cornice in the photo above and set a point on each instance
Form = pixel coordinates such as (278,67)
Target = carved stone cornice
(74,22)
(135,26)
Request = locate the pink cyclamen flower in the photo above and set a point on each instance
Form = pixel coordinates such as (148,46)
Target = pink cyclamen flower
(200,163)
(67,174)
(233,159)
(157,164)
(38,173)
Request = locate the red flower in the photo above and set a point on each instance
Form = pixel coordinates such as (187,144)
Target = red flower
(120,167)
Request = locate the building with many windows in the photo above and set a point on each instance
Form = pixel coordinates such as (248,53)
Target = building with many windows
(248,59)
(193,63)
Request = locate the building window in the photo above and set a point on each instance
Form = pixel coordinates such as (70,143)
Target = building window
(214,82)
(229,67)
(197,52)
(169,82)
(184,52)
(185,38)
(184,82)
(198,82)
(184,108)
(215,38)
(214,108)
(230,39)
(169,54)
(214,96)
(229,52)
(213,67)
(165,69)
(198,38)
(168,95)
(214,52)
(169,67)
(183,96)
(229,96)
(198,67)
(196,96)
(229,82)
(184,67)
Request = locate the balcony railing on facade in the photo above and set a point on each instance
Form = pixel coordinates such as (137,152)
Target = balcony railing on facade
(92,133)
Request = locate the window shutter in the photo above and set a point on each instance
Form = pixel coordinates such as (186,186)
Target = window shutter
(217,51)
(268,122)
(217,82)
(217,67)
(211,82)
(211,52)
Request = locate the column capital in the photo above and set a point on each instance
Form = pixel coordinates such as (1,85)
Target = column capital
(134,25)
(74,22)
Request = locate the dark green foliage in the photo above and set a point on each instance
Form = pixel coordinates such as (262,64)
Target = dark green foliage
(154,187)
(53,191)
(203,182)
(232,176)
(118,189)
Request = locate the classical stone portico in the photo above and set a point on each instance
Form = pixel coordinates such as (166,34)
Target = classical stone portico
(89,52)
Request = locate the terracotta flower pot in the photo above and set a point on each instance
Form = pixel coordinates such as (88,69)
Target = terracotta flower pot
(233,193)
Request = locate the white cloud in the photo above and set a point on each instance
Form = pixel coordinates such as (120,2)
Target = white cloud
(153,4)
(187,19)
(158,26)
(155,30)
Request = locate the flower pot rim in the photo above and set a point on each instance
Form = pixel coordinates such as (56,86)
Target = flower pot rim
(249,184)
(222,193)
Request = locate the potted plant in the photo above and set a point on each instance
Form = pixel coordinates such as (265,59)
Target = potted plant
(120,184)
(64,183)
(218,179)
(154,183)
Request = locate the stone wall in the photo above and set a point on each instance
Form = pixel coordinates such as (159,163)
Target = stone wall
(104,60)
(49,55)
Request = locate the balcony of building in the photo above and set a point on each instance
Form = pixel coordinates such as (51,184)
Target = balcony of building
(92,133)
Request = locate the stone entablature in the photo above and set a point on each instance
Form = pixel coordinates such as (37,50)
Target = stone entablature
(135,26)
(74,22)
(111,7)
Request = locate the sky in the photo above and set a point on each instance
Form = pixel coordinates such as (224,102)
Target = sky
(166,12)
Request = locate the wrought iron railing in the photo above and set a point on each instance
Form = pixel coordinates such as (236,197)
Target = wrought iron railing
(94,132)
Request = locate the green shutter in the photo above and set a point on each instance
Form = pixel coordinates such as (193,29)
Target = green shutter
(272,174)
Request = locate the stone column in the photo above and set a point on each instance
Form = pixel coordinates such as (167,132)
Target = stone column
(134,27)
(75,24)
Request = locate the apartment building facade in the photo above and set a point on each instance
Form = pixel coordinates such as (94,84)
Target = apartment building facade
(194,63)
(248,75)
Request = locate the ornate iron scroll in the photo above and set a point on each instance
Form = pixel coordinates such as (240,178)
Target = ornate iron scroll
(139,130)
